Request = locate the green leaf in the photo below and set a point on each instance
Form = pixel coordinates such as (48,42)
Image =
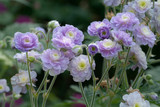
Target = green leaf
(75,88)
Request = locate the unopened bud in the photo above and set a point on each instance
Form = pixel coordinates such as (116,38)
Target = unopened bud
(53,24)
(150,82)
(148,76)
(153,96)
(16,96)
(31,59)
(77,49)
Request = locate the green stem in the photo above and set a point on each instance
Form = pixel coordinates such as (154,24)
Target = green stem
(123,72)
(155,61)
(40,87)
(30,80)
(12,101)
(4,98)
(83,94)
(43,34)
(110,102)
(153,4)
(45,96)
(94,83)
(116,73)
(49,30)
(114,10)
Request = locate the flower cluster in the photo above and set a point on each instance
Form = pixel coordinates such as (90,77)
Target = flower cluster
(3,86)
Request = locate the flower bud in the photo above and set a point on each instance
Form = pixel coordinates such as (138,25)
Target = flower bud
(153,96)
(92,48)
(77,49)
(150,82)
(31,59)
(53,24)
(16,96)
(148,76)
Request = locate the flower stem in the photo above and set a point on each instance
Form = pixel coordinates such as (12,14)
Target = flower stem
(39,89)
(12,101)
(30,80)
(153,4)
(4,98)
(123,72)
(83,94)
(45,96)
(94,83)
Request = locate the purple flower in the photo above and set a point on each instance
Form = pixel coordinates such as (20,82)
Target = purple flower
(155,18)
(130,8)
(55,61)
(122,37)
(3,86)
(67,37)
(103,33)
(80,69)
(112,2)
(40,47)
(138,57)
(20,80)
(142,6)
(92,48)
(25,41)
(124,21)
(94,27)
(144,36)
(41,35)
(108,48)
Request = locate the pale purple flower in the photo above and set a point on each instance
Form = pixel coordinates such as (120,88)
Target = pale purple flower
(144,36)
(80,68)
(67,37)
(25,41)
(142,6)
(103,33)
(3,86)
(124,21)
(96,25)
(155,18)
(21,57)
(40,30)
(138,56)
(112,2)
(134,99)
(20,80)
(129,8)
(122,37)
(92,48)
(55,61)
(108,48)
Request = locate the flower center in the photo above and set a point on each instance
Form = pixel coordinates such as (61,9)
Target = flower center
(55,56)
(23,79)
(145,31)
(100,25)
(137,105)
(132,11)
(93,48)
(125,18)
(1,87)
(70,34)
(142,4)
(82,65)
(108,44)
(103,33)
